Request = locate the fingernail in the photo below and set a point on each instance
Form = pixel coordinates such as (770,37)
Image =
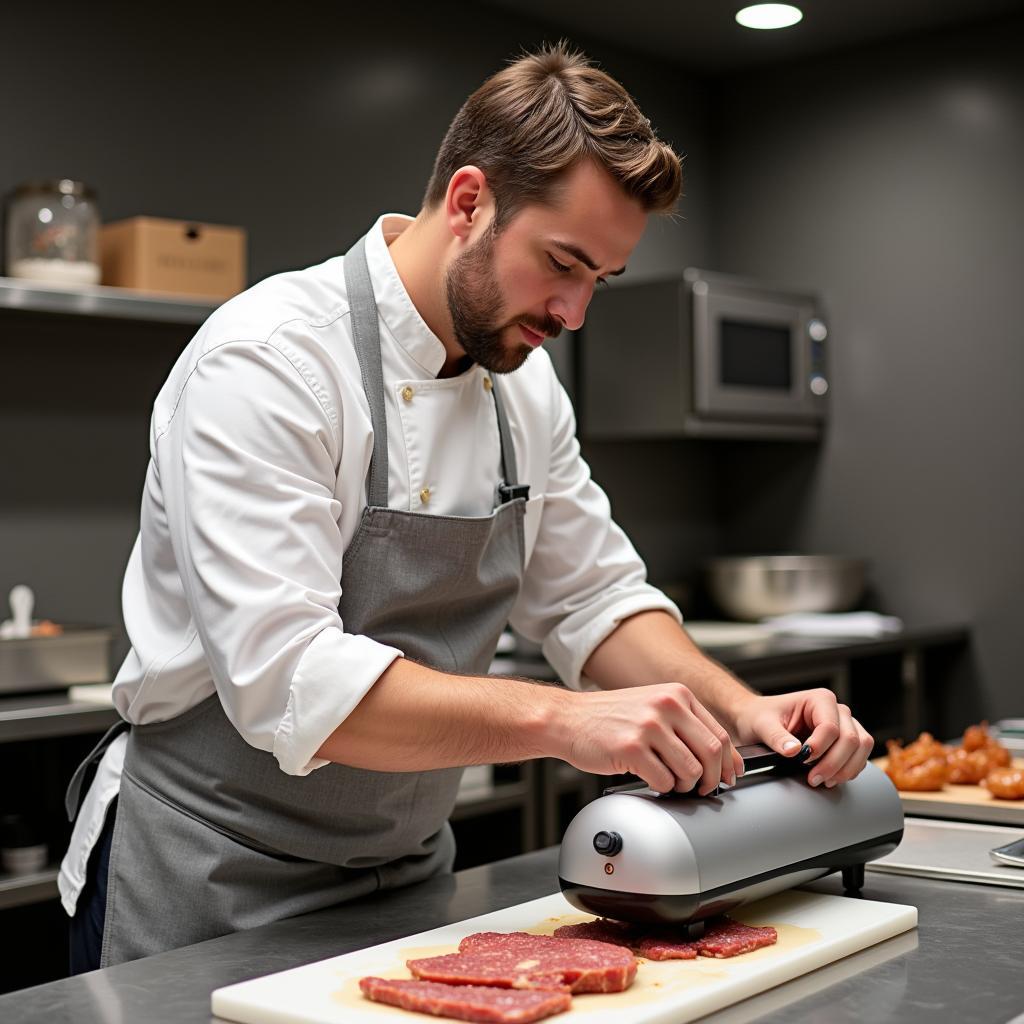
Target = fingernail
(790,745)
(830,783)
(815,780)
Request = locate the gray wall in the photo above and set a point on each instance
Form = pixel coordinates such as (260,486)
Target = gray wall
(887,178)
(891,181)
(302,129)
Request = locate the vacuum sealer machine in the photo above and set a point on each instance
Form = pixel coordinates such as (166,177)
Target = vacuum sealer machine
(640,856)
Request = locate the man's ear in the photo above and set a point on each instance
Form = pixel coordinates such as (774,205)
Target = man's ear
(468,202)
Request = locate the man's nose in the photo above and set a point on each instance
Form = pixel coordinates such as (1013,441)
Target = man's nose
(569,306)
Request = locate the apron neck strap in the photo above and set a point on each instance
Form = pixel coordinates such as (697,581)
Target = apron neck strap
(510,487)
(367,343)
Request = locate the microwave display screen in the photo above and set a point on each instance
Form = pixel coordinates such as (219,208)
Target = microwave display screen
(755,355)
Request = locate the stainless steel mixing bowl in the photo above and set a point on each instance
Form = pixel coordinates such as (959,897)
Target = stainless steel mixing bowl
(755,587)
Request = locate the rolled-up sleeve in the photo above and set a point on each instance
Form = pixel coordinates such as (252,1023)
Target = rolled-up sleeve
(584,576)
(248,465)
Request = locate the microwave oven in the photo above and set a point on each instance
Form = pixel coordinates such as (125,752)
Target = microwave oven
(703,355)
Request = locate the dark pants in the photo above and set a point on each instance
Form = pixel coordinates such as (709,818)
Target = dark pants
(87,925)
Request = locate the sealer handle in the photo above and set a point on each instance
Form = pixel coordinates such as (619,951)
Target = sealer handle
(758,757)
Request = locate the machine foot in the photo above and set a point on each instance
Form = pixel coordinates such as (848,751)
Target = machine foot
(853,878)
(695,931)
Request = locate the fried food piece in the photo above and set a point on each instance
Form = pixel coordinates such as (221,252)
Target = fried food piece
(978,741)
(915,766)
(968,767)
(914,771)
(976,737)
(1005,783)
(924,748)
(998,755)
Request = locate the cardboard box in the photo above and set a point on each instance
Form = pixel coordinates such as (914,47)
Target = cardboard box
(175,257)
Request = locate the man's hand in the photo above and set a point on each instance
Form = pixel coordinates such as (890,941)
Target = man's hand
(661,733)
(840,746)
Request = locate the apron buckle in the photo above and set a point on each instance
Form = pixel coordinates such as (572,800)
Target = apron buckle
(509,492)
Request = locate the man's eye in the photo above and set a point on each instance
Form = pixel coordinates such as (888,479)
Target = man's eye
(555,265)
(602,280)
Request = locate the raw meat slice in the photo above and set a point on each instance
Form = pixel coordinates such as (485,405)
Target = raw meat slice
(522,960)
(466,1002)
(514,940)
(602,929)
(724,937)
(662,946)
(654,946)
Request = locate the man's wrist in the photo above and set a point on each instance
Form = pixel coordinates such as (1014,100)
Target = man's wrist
(545,729)
(725,696)
(738,699)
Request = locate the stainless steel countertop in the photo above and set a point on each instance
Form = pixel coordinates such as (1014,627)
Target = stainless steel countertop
(962,964)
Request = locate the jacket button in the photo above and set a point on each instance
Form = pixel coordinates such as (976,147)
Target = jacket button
(407,393)
(488,384)
(425,495)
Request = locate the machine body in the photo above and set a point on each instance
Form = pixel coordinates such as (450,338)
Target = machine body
(649,858)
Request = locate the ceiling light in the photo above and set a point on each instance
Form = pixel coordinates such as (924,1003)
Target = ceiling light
(769,16)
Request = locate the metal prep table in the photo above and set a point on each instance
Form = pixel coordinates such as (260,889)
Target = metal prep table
(962,964)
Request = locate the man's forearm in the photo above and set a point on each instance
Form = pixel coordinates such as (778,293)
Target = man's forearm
(651,647)
(417,719)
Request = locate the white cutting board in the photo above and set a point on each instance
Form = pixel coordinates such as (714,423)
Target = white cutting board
(814,930)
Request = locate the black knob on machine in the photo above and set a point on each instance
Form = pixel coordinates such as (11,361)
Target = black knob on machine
(607,843)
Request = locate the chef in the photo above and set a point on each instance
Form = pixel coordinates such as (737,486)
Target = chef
(359,473)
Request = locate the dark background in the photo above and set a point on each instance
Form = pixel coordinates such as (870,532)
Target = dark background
(886,176)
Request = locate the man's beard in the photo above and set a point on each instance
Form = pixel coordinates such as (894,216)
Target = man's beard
(475,305)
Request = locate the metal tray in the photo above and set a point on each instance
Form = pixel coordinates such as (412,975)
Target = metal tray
(81,654)
(952,850)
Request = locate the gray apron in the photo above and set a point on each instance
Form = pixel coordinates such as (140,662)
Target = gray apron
(211,836)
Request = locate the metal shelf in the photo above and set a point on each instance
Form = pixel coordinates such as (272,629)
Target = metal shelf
(102,302)
(19,890)
(42,715)
(498,798)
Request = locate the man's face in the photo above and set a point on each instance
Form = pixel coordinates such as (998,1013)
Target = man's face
(509,291)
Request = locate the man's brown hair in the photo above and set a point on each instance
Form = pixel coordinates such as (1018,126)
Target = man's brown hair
(537,118)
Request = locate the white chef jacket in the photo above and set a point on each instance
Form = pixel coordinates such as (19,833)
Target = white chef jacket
(260,446)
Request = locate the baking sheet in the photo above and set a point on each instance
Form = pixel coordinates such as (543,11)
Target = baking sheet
(952,850)
(970,803)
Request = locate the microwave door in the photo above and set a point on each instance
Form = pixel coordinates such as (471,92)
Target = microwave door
(751,360)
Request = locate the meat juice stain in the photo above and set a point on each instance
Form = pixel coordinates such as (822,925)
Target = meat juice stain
(350,996)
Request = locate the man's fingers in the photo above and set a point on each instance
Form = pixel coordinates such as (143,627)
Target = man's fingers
(693,735)
(656,773)
(853,767)
(728,761)
(682,729)
(823,715)
(845,748)
(684,764)
(855,744)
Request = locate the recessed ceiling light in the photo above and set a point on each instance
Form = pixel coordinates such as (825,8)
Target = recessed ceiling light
(769,16)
